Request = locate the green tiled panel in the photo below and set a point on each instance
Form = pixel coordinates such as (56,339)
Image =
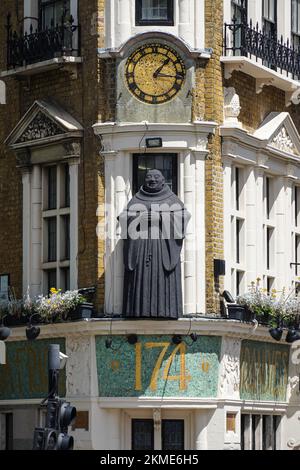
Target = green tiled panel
(153,367)
(25,374)
(264,371)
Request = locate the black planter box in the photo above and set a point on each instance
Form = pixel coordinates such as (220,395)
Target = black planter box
(14,320)
(236,312)
(84,310)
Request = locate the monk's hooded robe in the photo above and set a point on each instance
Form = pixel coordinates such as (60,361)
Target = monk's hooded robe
(152,277)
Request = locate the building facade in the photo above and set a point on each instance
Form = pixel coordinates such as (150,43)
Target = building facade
(78,103)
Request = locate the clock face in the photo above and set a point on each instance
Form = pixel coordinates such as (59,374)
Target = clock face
(155,73)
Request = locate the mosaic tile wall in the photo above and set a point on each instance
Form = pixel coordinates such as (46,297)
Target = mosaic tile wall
(154,366)
(25,374)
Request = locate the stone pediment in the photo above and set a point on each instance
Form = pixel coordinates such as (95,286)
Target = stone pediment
(280,132)
(44,122)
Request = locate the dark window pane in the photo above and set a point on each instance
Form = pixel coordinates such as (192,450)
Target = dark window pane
(296,205)
(237,189)
(172,434)
(243,432)
(142,434)
(153,12)
(52,187)
(9,436)
(52,239)
(4,286)
(269,237)
(239,10)
(51,12)
(51,278)
(67,236)
(268,197)
(238,240)
(67,185)
(166,163)
(65,279)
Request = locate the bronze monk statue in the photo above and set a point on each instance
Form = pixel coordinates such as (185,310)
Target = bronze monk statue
(153,227)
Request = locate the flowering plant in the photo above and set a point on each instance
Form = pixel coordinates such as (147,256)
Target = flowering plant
(275,305)
(10,307)
(55,306)
(58,304)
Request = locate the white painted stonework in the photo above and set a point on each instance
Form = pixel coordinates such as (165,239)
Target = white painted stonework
(120,24)
(204,418)
(78,367)
(189,141)
(232,106)
(265,153)
(45,134)
(229,369)
(282,141)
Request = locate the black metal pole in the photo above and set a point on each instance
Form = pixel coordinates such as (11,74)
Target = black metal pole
(53,370)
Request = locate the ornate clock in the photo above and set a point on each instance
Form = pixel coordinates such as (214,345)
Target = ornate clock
(155,73)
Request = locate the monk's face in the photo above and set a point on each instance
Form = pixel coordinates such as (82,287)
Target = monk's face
(154,180)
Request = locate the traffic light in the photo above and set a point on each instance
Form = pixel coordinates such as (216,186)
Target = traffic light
(45,439)
(67,414)
(60,413)
(54,436)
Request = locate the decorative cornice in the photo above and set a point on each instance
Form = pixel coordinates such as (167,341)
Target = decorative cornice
(282,141)
(24,159)
(40,128)
(72,149)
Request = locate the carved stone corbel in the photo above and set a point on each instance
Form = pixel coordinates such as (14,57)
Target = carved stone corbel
(72,149)
(24,159)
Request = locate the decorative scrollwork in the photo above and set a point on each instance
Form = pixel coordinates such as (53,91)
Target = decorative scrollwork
(72,148)
(40,128)
(282,141)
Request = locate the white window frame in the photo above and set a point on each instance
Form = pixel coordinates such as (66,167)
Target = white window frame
(269,227)
(238,216)
(33,219)
(295,234)
(59,213)
(259,435)
(129,415)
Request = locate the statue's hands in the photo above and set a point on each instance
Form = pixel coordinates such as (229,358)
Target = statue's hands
(150,216)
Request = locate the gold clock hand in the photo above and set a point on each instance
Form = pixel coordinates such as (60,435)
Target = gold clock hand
(166,75)
(159,68)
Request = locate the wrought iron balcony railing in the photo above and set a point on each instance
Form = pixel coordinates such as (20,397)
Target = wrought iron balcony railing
(40,45)
(241,39)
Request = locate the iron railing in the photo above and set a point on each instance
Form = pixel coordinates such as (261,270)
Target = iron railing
(241,39)
(40,45)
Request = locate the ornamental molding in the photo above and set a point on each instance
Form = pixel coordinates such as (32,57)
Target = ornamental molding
(230,368)
(232,106)
(40,128)
(45,123)
(283,142)
(72,149)
(23,158)
(78,365)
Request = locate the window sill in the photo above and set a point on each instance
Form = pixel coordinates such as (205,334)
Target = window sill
(263,76)
(68,63)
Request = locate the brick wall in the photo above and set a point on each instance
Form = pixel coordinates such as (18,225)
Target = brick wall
(213,171)
(80,97)
(255,107)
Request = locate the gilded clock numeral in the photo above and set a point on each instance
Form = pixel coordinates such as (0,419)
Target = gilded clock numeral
(132,86)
